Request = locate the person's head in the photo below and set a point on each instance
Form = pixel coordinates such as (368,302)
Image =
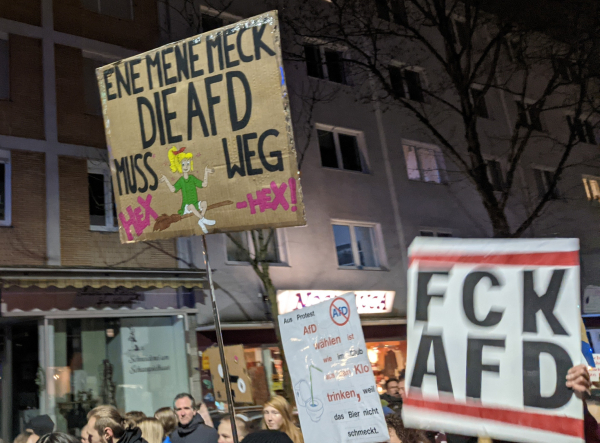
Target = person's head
(23,437)
(401,384)
(152,430)
(392,387)
(267,436)
(58,437)
(168,418)
(179,161)
(105,424)
(225,432)
(40,425)
(277,416)
(133,418)
(84,435)
(185,408)
(400,434)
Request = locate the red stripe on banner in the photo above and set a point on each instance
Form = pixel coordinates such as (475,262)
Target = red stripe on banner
(568,258)
(552,423)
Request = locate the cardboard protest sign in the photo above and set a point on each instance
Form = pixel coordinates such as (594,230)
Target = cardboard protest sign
(493,328)
(240,383)
(335,389)
(199,135)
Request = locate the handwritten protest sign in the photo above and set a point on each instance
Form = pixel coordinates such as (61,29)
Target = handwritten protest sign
(493,328)
(333,382)
(200,137)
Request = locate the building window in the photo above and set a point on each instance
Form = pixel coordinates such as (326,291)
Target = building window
(424,162)
(582,130)
(478,98)
(543,179)
(325,63)
(356,245)
(122,9)
(407,82)
(5,189)
(210,23)
(103,211)
(529,116)
(341,149)
(392,11)
(4,68)
(240,245)
(93,105)
(592,188)
(495,176)
(434,233)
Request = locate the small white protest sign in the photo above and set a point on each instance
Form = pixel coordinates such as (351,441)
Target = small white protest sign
(335,389)
(493,328)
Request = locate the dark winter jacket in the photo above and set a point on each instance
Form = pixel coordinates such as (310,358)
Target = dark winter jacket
(194,432)
(132,435)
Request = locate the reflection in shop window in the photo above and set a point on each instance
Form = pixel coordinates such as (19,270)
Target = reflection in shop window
(132,363)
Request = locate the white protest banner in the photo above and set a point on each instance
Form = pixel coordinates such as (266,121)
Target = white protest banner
(493,328)
(333,383)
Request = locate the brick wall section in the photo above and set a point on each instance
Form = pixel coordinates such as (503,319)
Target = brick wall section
(82,247)
(23,114)
(74,125)
(141,33)
(24,243)
(25,11)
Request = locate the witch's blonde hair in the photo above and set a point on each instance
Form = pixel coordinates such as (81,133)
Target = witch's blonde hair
(175,160)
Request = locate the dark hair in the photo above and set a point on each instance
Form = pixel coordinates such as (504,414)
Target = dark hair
(58,437)
(389,380)
(185,395)
(405,435)
(402,375)
(133,417)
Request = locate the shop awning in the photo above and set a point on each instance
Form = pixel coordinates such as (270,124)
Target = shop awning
(82,277)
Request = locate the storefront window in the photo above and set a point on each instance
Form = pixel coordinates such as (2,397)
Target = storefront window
(133,363)
(388,360)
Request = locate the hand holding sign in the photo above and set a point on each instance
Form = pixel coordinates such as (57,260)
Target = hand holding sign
(578,379)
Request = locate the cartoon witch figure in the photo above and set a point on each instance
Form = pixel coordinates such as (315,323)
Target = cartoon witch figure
(187,184)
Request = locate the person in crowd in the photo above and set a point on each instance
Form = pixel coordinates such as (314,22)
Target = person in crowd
(106,425)
(192,428)
(152,430)
(23,437)
(203,411)
(225,432)
(168,418)
(267,436)
(38,426)
(84,435)
(392,394)
(58,437)
(277,416)
(400,434)
(134,417)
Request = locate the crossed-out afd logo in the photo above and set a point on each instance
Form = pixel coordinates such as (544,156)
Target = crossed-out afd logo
(339,311)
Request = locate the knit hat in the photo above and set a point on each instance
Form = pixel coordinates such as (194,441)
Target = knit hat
(267,436)
(40,425)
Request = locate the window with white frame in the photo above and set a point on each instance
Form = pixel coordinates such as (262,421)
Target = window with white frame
(543,180)
(357,245)
(435,233)
(93,105)
(103,212)
(5,189)
(241,245)
(392,11)
(478,97)
(582,130)
(424,162)
(341,148)
(592,187)
(529,114)
(407,82)
(4,67)
(325,63)
(495,175)
(122,9)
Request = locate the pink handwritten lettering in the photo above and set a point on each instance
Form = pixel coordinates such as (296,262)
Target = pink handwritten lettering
(271,198)
(139,218)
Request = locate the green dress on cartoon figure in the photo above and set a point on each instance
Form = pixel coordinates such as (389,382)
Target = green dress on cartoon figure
(189,195)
